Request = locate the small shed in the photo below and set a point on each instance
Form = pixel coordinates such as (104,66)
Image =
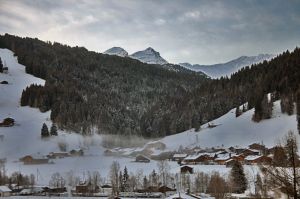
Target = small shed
(4,82)
(28,159)
(7,122)
(186,170)
(4,191)
(142,158)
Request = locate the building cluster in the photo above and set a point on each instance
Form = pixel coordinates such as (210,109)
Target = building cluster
(252,155)
(45,159)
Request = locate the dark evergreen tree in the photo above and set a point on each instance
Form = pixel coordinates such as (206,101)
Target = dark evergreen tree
(238,111)
(244,108)
(125,179)
(53,130)
(298,109)
(1,66)
(239,180)
(45,131)
(287,103)
(280,157)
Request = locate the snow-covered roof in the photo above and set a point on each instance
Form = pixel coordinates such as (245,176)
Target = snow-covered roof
(181,195)
(179,155)
(252,157)
(195,156)
(225,156)
(4,189)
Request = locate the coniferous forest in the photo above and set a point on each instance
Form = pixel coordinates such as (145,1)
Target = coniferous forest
(86,90)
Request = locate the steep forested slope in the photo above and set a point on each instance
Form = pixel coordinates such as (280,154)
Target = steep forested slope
(119,95)
(85,89)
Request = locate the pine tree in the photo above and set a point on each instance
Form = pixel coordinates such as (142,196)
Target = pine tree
(298,109)
(125,180)
(1,66)
(53,130)
(239,180)
(45,131)
(244,108)
(237,111)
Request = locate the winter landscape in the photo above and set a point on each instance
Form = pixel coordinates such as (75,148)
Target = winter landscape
(122,113)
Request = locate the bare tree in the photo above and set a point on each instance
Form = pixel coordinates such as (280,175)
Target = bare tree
(57,181)
(114,177)
(217,186)
(163,168)
(286,178)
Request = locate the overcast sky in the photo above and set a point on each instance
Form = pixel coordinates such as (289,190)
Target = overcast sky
(203,32)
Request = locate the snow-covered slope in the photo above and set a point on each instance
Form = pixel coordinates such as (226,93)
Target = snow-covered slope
(149,56)
(116,51)
(24,137)
(226,69)
(240,131)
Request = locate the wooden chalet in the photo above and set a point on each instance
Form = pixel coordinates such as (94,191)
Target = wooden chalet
(76,152)
(34,160)
(222,158)
(142,158)
(251,152)
(5,191)
(58,155)
(86,189)
(201,158)
(258,159)
(257,146)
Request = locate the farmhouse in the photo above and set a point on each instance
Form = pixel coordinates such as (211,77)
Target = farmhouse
(201,158)
(141,158)
(4,191)
(37,159)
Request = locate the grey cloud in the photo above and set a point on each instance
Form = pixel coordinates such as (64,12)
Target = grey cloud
(195,31)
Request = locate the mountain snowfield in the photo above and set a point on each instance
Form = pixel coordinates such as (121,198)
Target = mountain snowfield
(149,55)
(118,51)
(24,137)
(228,68)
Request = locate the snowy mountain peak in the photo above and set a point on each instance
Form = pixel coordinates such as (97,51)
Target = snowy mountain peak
(149,56)
(116,51)
(228,68)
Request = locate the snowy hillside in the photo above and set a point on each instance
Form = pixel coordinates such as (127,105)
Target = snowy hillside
(232,131)
(226,69)
(149,56)
(116,51)
(24,137)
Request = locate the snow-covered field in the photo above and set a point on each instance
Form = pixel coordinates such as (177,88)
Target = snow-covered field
(24,138)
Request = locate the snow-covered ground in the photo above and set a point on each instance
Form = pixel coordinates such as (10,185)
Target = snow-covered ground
(24,138)
(240,131)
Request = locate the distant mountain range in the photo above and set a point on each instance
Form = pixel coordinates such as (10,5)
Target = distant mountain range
(150,56)
(226,69)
